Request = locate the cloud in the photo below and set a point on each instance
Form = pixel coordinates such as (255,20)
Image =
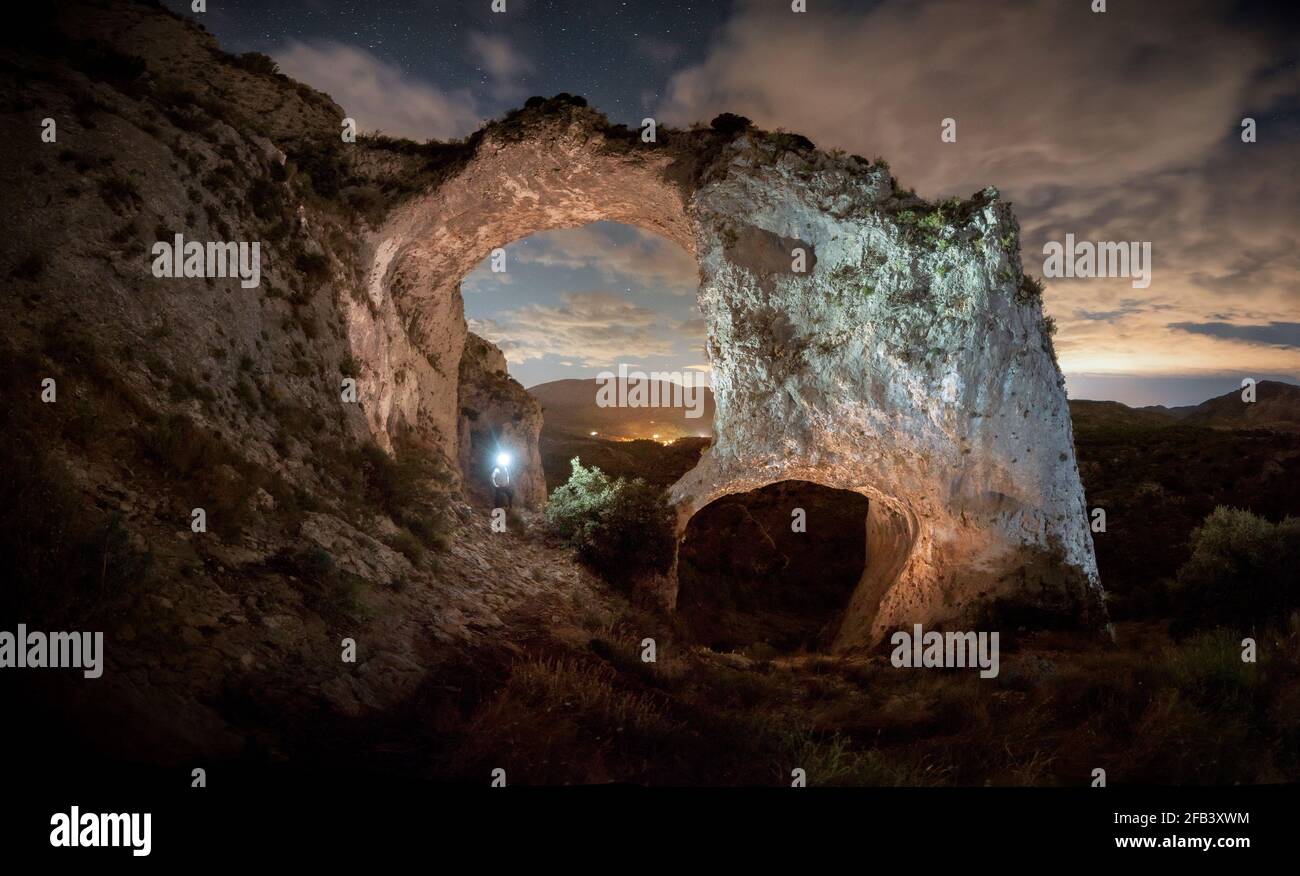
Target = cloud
(483,279)
(1041,91)
(1280,334)
(1090,123)
(644,259)
(660,51)
(504,65)
(594,328)
(378,95)
(497,56)
(694,329)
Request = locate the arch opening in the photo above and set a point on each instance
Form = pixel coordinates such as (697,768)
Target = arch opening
(774,569)
(564,313)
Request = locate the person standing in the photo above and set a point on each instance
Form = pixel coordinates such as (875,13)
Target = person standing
(503,493)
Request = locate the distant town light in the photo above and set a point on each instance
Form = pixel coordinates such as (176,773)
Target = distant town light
(593,434)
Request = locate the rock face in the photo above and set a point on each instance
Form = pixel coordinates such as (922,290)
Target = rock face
(497,415)
(861,338)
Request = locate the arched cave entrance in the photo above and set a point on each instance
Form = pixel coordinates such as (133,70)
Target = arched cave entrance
(846,348)
(772,569)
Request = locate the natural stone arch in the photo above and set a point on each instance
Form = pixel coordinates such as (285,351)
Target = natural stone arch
(566,175)
(908,360)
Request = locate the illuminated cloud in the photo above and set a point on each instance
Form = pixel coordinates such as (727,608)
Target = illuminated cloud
(1089,123)
(596,329)
(643,259)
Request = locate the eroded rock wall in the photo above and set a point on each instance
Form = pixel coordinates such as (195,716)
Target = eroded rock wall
(909,361)
(497,415)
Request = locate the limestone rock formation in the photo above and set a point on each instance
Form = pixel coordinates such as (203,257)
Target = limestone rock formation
(861,338)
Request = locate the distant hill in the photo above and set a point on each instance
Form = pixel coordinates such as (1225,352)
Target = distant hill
(1276,407)
(569,408)
(1115,416)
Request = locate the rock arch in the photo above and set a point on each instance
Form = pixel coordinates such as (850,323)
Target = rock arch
(908,360)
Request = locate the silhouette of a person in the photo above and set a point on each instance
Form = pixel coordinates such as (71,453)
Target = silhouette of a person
(503,494)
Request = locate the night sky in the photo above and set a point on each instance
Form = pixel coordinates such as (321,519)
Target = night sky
(619,54)
(1115,126)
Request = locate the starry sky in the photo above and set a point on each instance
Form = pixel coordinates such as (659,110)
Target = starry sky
(1123,125)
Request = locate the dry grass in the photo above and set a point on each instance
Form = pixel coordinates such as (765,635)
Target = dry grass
(1151,712)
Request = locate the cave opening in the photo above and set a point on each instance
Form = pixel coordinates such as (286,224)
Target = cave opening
(583,317)
(772,570)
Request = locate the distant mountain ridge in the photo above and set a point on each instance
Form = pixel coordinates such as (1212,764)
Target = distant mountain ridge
(569,407)
(1276,407)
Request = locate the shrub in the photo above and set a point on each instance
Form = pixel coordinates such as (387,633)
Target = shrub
(324,165)
(1030,289)
(119,193)
(407,545)
(619,527)
(730,123)
(182,449)
(1242,569)
(256,62)
(103,63)
(315,267)
(410,487)
(265,198)
(331,590)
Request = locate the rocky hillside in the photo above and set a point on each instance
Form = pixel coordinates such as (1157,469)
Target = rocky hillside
(1276,406)
(184,468)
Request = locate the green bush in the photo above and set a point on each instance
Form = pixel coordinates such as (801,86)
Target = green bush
(619,527)
(1242,569)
